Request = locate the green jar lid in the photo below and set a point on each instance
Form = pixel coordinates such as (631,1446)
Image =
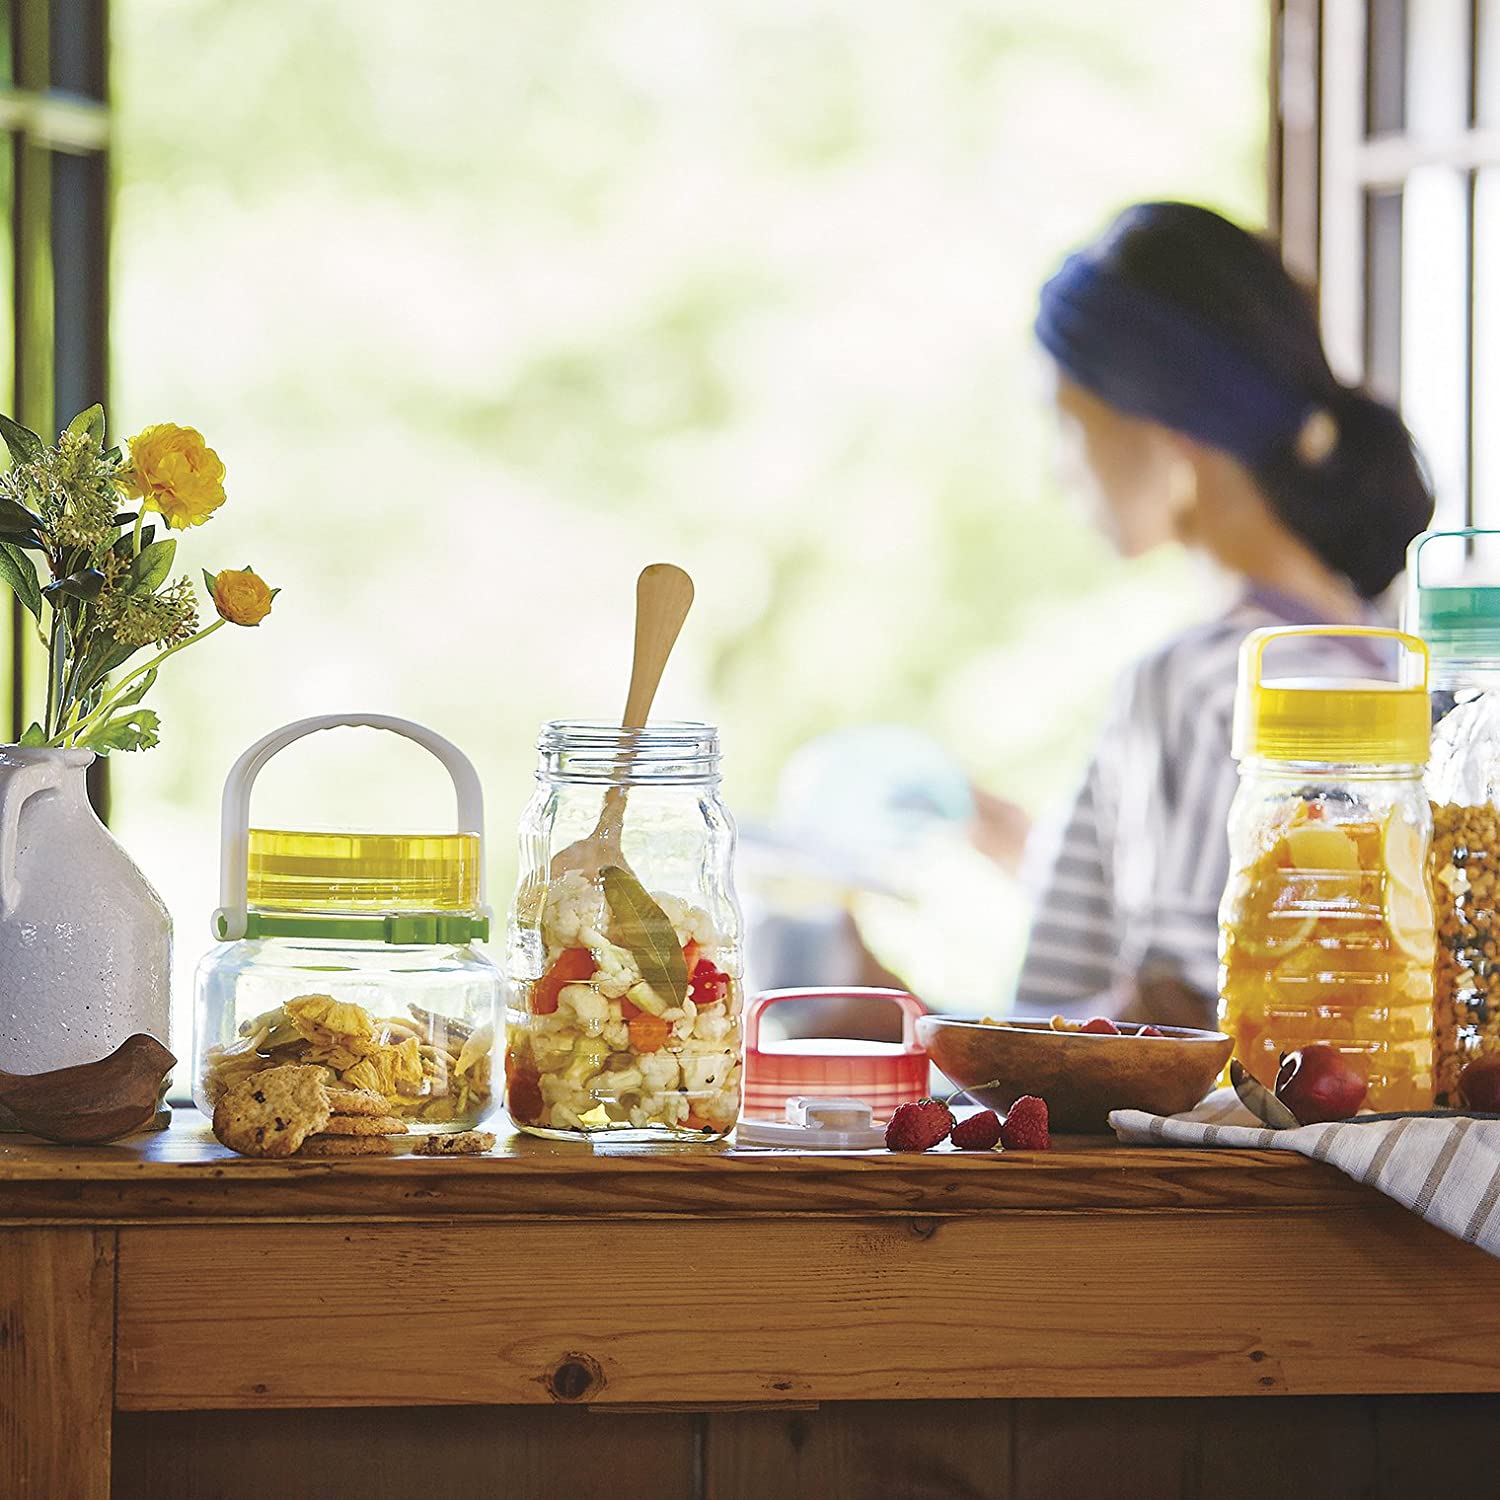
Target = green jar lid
(408,929)
(1459,621)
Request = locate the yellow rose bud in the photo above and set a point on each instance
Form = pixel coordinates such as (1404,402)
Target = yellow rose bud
(241,596)
(175,473)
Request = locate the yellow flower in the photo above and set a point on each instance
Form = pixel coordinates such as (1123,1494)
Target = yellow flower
(242,596)
(174,472)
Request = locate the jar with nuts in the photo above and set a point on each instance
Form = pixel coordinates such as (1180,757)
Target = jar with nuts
(1460,620)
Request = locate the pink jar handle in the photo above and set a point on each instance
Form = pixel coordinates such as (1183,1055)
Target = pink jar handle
(911,1008)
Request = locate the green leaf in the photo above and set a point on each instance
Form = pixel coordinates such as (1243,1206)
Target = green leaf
(122,548)
(642,927)
(150,568)
(35,735)
(137,730)
(139,691)
(84,585)
(209,579)
(104,655)
(112,456)
(17,571)
(25,446)
(90,422)
(15,519)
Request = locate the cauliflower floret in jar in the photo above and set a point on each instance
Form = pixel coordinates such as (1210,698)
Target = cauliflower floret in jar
(617,1081)
(616,1034)
(585,1003)
(691,923)
(617,971)
(659,1109)
(558,1088)
(575,914)
(712,1024)
(551,1050)
(660,1071)
(705,1070)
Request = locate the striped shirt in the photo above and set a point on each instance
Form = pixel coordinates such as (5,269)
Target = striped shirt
(1135,872)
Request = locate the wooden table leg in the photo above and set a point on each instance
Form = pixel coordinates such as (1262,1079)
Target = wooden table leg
(57,1331)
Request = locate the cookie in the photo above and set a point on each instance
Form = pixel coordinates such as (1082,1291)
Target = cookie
(364,1125)
(347,1145)
(272,1112)
(464,1143)
(357,1102)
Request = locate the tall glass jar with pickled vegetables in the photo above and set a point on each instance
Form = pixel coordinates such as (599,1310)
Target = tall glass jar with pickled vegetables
(1459,618)
(624,955)
(1326,927)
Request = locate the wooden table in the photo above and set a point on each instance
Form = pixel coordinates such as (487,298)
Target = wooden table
(175,1320)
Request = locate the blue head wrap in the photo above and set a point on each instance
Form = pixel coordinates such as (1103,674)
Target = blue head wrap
(1147,357)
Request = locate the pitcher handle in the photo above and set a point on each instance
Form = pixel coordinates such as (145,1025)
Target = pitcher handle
(17,789)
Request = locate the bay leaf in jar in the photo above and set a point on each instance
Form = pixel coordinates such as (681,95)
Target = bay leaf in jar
(643,927)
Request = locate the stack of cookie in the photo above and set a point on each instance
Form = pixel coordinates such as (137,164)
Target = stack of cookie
(360,1123)
(293,1110)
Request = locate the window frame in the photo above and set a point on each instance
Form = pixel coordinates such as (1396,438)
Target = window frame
(1345,151)
(55,116)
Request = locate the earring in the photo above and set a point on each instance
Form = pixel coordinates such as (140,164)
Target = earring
(1182,497)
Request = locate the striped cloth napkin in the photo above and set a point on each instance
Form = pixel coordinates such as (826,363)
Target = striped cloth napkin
(1445,1168)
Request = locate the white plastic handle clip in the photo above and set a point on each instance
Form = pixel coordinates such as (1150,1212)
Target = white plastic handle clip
(234,815)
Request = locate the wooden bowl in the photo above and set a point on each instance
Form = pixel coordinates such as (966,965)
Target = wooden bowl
(1081,1075)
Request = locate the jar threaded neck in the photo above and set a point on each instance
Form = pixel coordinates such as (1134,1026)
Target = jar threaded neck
(666,752)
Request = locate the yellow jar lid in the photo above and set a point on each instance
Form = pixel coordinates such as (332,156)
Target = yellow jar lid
(296,870)
(1333,720)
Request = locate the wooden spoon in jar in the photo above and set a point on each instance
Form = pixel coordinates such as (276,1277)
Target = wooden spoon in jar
(663,596)
(91,1102)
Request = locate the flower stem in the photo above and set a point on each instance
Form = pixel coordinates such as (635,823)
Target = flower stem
(74,734)
(135,536)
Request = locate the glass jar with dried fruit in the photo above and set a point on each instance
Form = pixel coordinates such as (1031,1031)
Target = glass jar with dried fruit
(1326,927)
(1460,620)
(624,956)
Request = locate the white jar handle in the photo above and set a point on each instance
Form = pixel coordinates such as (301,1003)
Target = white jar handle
(234,816)
(16,789)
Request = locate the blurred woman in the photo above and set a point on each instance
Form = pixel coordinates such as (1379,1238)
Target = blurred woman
(1196,405)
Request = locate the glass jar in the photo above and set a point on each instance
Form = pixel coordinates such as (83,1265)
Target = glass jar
(1326,926)
(624,956)
(353,951)
(1460,622)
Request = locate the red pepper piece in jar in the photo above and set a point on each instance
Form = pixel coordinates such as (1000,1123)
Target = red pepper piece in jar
(523,1092)
(571,966)
(710,985)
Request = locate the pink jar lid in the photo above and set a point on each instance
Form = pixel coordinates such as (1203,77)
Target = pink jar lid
(883,1074)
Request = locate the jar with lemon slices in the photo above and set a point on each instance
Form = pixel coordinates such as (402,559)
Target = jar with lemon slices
(1326,930)
(1458,614)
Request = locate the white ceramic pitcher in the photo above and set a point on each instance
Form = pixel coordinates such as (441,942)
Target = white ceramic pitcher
(85,942)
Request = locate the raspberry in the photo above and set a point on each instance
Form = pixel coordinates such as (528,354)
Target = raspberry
(1102,1024)
(1025,1127)
(977,1133)
(919,1126)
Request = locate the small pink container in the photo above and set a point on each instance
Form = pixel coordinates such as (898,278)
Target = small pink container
(883,1074)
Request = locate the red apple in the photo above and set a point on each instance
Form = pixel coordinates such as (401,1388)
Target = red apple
(1479,1083)
(1320,1083)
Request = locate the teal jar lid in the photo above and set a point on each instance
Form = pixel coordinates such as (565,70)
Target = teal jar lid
(1457,620)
